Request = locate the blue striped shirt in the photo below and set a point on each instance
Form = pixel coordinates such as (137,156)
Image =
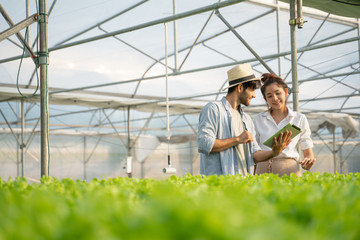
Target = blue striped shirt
(215,122)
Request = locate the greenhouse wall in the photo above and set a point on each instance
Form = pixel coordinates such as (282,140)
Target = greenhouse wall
(80,157)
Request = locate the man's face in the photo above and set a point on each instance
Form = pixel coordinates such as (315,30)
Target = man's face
(246,95)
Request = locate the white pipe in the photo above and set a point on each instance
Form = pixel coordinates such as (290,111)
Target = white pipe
(175,38)
(169,169)
(167,87)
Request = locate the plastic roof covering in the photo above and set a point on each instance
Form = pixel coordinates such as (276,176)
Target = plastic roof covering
(347,8)
(328,77)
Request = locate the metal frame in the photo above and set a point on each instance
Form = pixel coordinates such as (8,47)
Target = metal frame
(177,70)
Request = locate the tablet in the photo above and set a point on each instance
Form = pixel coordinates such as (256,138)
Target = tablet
(290,127)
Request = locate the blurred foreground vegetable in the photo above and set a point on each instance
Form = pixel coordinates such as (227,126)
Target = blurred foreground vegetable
(315,206)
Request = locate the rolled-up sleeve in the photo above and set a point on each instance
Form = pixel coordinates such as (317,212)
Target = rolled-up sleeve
(305,138)
(208,124)
(251,128)
(255,145)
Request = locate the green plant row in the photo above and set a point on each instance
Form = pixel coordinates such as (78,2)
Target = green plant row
(315,206)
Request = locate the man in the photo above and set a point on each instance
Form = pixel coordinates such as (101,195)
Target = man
(225,135)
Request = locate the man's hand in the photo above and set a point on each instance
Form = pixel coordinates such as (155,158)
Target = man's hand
(280,144)
(223,144)
(245,137)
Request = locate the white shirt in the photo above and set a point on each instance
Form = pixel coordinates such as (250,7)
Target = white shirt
(238,129)
(266,126)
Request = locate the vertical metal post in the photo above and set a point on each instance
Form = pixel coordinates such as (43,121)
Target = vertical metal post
(22,113)
(142,169)
(84,157)
(299,14)
(278,35)
(167,85)
(44,97)
(22,146)
(359,40)
(295,90)
(129,159)
(175,39)
(168,133)
(28,15)
(342,162)
(18,152)
(334,149)
(191,158)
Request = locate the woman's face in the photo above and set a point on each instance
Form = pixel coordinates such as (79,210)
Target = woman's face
(275,96)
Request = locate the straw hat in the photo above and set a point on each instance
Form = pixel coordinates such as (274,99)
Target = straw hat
(240,74)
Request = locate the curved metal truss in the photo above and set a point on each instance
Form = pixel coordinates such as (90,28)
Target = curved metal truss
(128,98)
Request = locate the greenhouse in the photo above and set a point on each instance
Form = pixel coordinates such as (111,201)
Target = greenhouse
(126,80)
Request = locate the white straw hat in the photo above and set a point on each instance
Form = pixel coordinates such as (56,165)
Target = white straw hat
(240,74)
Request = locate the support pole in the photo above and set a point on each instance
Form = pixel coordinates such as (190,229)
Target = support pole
(278,35)
(22,146)
(44,97)
(27,16)
(294,91)
(167,133)
(334,150)
(129,158)
(167,88)
(358,31)
(18,152)
(142,169)
(300,21)
(169,169)
(84,157)
(175,39)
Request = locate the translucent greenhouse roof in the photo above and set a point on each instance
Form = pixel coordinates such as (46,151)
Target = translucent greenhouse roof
(109,56)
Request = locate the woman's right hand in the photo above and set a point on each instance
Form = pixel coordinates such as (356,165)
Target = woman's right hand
(280,144)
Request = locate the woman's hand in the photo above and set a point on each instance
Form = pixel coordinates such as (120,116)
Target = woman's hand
(307,163)
(280,144)
(309,159)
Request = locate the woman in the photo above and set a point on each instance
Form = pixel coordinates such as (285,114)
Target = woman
(284,158)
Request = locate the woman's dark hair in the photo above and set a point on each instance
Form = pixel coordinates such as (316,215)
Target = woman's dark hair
(270,78)
(250,84)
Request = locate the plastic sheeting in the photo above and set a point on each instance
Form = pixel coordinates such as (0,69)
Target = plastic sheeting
(350,127)
(346,8)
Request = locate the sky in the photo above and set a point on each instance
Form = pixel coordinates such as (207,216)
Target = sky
(113,60)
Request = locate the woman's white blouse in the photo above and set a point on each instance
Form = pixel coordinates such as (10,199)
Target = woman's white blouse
(266,127)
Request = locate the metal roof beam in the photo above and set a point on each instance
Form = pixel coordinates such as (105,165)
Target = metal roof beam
(304,49)
(102,22)
(15,28)
(140,26)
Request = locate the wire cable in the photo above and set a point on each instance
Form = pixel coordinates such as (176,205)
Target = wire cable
(18,73)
